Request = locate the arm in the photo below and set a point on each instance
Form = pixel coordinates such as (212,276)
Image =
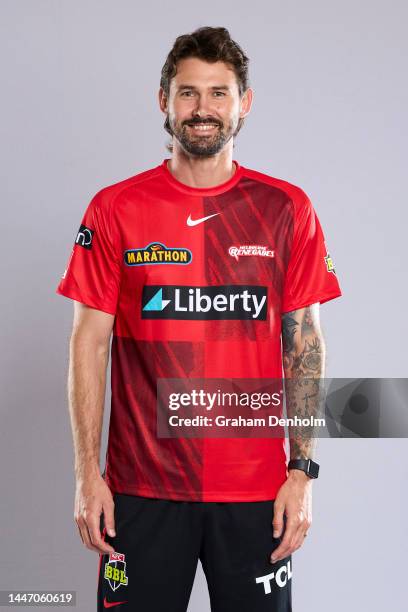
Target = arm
(89,356)
(303,363)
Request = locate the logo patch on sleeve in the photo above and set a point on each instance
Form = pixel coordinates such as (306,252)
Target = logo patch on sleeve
(84,237)
(115,571)
(329,263)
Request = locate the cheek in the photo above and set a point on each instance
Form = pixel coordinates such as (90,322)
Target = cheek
(230,109)
(181,110)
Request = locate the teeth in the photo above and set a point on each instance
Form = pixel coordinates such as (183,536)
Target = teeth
(203,127)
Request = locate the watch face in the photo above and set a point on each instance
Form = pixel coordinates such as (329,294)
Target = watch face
(313,470)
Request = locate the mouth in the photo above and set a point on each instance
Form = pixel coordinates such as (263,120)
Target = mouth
(202,128)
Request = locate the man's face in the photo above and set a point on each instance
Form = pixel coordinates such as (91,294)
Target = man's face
(203,106)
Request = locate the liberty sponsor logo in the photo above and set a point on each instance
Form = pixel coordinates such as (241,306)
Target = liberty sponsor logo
(280,578)
(84,237)
(157,253)
(250,249)
(213,302)
(115,571)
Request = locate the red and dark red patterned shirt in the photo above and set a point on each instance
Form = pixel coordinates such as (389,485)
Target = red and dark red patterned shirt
(197,279)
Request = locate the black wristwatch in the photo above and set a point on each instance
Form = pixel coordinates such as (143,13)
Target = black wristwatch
(310,467)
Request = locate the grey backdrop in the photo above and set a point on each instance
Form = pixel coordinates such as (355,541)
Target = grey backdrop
(79,112)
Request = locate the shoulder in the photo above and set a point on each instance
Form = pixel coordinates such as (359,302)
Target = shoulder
(298,197)
(107,196)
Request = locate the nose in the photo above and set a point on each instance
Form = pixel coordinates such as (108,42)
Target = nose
(203,107)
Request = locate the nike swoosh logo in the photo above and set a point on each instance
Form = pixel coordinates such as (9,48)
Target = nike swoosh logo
(108,604)
(192,222)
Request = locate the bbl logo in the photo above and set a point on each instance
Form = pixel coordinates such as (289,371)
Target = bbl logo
(329,263)
(115,571)
(157,253)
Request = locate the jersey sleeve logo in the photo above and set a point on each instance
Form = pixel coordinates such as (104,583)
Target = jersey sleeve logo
(329,263)
(157,253)
(84,237)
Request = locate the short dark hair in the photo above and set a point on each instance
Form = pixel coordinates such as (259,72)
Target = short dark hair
(211,45)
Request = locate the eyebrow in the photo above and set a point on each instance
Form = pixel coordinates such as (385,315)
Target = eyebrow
(225,87)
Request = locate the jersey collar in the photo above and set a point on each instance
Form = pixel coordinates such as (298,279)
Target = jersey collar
(202,191)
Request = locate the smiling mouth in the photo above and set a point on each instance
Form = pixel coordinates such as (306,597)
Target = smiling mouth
(202,127)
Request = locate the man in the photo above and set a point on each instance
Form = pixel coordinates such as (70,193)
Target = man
(199,267)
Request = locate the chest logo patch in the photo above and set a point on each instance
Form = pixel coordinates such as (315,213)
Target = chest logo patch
(192,222)
(157,253)
(203,303)
(250,249)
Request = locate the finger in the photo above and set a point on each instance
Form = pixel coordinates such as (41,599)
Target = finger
(85,536)
(80,533)
(304,531)
(282,550)
(95,535)
(299,538)
(109,518)
(278,520)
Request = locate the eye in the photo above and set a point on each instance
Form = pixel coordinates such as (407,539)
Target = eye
(219,92)
(186,93)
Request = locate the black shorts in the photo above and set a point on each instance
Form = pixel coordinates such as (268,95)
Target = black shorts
(157,546)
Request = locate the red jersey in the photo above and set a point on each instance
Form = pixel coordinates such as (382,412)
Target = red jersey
(197,279)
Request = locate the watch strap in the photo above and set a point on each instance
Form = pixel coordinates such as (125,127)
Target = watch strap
(310,467)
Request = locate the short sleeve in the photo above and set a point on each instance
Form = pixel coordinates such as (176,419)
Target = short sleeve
(311,275)
(92,275)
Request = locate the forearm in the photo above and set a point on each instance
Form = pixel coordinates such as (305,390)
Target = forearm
(304,365)
(86,396)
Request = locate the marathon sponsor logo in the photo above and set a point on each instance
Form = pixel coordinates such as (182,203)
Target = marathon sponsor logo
(280,578)
(84,237)
(213,302)
(157,253)
(250,249)
(115,571)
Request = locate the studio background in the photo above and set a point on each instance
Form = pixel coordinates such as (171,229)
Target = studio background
(80,112)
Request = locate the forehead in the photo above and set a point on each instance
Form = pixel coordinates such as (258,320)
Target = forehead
(199,73)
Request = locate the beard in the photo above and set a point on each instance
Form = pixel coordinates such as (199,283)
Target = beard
(202,145)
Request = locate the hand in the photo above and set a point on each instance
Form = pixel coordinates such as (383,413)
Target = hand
(294,498)
(92,497)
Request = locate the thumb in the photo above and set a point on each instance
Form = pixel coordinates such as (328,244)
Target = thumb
(277,520)
(109,519)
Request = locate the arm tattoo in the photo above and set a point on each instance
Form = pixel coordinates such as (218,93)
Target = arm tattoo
(303,366)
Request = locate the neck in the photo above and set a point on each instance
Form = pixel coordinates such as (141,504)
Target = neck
(201,172)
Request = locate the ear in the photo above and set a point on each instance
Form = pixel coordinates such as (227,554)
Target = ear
(163,101)
(246,102)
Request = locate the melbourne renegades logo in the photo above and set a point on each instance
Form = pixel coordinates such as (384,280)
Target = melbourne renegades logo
(250,249)
(115,571)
